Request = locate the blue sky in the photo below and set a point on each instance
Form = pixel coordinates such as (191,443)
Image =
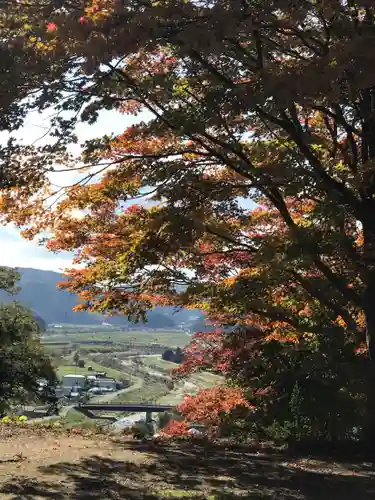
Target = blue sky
(17,252)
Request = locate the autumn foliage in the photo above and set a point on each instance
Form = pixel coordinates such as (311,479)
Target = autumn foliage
(210,408)
(253,145)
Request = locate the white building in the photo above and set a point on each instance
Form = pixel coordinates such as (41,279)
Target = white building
(105,383)
(74,381)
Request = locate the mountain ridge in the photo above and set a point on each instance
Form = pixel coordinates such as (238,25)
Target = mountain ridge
(39,292)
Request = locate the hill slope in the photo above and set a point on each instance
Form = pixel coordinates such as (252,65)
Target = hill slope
(39,292)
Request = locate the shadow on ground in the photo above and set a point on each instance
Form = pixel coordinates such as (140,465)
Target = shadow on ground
(196,472)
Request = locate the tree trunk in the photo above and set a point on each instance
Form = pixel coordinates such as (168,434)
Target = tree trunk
(367,107)
(369,310)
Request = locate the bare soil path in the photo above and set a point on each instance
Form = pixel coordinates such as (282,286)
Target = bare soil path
(36,464)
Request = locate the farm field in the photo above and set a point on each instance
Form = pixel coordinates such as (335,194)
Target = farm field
(134,356)
(101,357)
(151,392)
(71,369)
(191,385)
(202,379)
(171,338)
(158,363)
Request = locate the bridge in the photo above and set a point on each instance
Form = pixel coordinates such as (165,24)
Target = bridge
(149,409)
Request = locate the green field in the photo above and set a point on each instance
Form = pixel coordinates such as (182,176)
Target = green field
(172,338)
(123,361)
(71,369)
(149,392)
(191,384)
(203,379)
(158,363)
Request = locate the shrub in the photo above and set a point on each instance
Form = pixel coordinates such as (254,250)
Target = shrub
(177,429)
(166,417)
(142,429)
(16,420)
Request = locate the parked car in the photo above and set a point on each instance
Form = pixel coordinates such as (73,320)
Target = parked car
(94,391)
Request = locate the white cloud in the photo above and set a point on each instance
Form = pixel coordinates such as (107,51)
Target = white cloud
(17,252)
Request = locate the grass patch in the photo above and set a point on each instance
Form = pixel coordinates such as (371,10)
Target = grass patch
(150,392)
(158,363)
(172,338)
(75,419)
(71,369)
(202,379)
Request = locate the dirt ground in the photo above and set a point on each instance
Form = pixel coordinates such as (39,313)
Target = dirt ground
(38,465)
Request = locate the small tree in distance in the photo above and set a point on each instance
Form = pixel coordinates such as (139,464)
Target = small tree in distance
(76,358)
(168,355)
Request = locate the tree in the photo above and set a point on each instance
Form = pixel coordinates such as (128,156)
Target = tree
(269,103)
(41,323)
(76,358)
(23,56)
(178,356)
(81,363)
(303,386)
(211,407)
(168,355)
(22,360)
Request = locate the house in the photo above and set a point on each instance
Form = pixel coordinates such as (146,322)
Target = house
(91,379)
(74,380)
(105,383)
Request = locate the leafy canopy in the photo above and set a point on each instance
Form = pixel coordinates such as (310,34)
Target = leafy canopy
(249,102)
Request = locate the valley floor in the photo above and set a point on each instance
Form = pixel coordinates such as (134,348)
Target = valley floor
(36,464)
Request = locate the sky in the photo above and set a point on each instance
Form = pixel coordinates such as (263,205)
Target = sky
(17,252)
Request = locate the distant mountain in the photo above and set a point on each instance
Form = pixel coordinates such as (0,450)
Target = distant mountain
(39,292)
